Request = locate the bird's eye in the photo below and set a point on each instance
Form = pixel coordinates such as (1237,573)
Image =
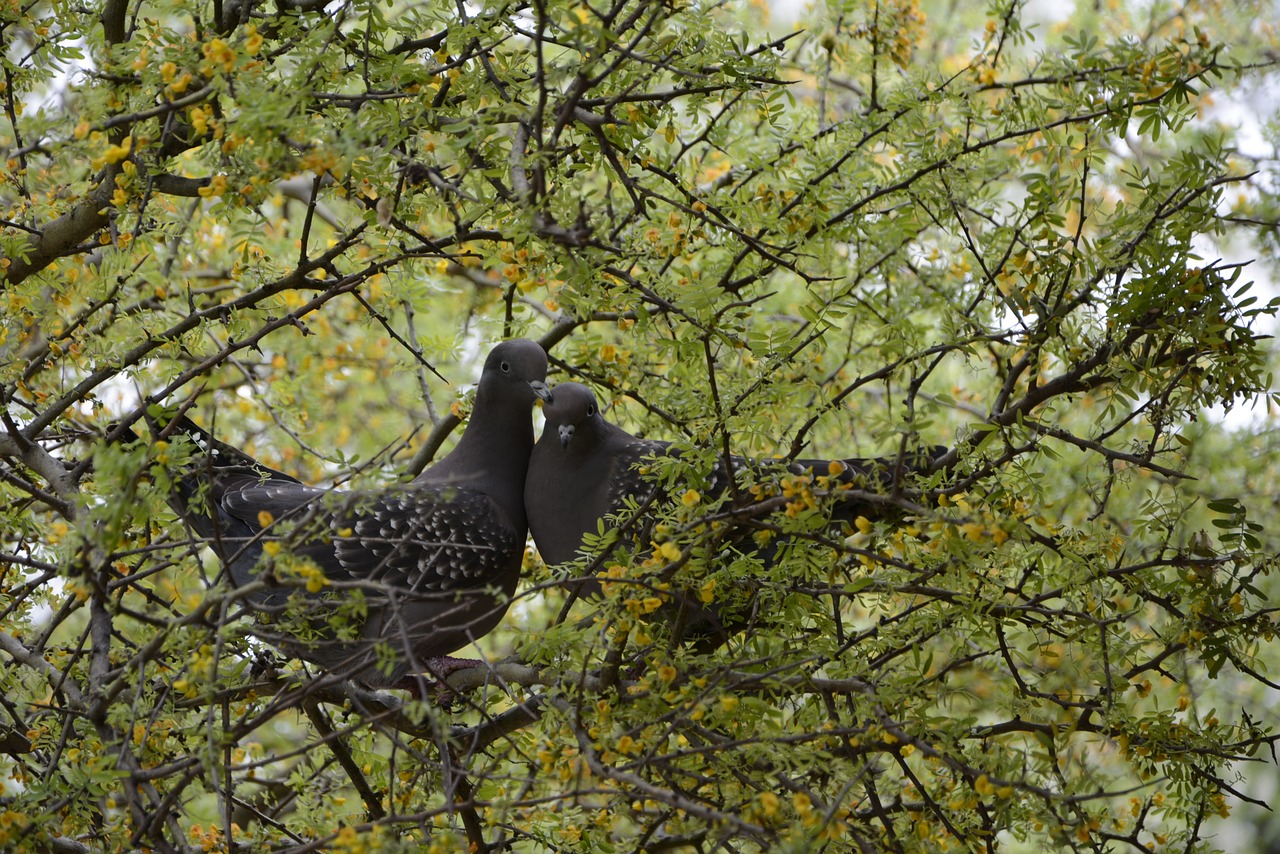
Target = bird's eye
(591,410)
(506,367)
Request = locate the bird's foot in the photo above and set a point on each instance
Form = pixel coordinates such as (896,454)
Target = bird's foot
(444,666)
(437,691)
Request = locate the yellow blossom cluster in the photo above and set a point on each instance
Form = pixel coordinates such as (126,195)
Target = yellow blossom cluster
(522,268)
(352,841)
(11,824)
(561,759)
(772,808)
(218,55)
(200,672)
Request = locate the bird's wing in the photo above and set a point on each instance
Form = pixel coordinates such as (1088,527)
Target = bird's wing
(630,472)
(244,494)
(419,538)
(423,538)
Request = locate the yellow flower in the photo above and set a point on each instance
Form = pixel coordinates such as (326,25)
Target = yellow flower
(199,120)
(253,43)
(217,186)
(116,153)
(179,86)
(218,53)
(690,498)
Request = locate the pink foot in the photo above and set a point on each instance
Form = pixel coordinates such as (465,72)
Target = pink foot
(446,665)
(436,690)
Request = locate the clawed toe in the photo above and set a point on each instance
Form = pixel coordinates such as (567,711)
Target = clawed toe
(432,685)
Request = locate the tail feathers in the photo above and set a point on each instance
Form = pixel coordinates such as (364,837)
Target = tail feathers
(870,474)
(199,485)
(220,455)
(881,471)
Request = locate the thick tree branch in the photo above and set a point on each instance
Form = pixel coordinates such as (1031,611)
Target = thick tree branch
(66,234)
(33,456)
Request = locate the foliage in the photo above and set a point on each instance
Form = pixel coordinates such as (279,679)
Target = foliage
(901,224)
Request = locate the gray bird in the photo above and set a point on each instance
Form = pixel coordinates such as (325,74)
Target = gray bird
(436,559)
(583,469)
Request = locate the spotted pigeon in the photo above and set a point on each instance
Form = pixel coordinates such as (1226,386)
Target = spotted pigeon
(436,560)
(583,469)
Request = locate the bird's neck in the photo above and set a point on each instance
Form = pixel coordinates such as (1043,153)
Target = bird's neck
(590,438)
(494,447)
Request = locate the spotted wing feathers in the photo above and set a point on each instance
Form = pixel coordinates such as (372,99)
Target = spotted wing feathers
(423,539)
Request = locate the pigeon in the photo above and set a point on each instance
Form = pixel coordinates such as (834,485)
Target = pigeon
(584,469)
(391,579)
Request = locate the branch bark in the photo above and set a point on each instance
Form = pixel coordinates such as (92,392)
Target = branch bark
(65,235)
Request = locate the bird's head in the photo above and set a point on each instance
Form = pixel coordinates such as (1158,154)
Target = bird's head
(571,406)
(518,361)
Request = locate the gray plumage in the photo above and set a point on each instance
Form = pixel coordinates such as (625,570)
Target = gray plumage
(584,468)
(437,559)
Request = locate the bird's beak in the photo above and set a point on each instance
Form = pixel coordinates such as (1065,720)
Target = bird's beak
(566,434)
(540,390)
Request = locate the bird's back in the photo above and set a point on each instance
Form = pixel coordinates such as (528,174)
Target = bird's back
(418,570)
